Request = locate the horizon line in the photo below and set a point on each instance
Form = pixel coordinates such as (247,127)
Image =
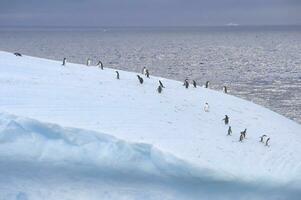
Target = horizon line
(147,26)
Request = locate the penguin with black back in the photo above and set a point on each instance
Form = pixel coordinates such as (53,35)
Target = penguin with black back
(100,65)
(161,84)
(17,54)
(64,61)
(194,83)
(186,83)
(140,79)
(225,90)
(147,73)
(159,89)
(226,119)
(207,84)
(267,142)
(244,133)
(117,75)
(262,138)
(241,137)
(229,130)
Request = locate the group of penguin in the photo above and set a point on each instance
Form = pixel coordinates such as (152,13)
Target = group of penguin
(244,133)
(145,72)
(140,79)
(88,63)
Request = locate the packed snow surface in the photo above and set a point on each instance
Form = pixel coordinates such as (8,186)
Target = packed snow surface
(76,132)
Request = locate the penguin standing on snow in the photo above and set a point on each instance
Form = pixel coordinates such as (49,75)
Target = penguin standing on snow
(140,79)
(117,74)
(206,107)
(241,137)
(194,83)
(262,138)
(99,64)
(225,90)
(244,133)
(186,83)
(88,62)
(229,130)
(226,119)
(18,54)
(147,73)
(159,89)
(207,84)
(143,70)
(267,142)
(64,61)
(161,84)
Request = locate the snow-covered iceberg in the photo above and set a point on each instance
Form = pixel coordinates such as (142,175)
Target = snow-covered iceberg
(126,141)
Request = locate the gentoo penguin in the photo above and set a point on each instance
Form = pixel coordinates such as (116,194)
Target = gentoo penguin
(17,54)
(225,90)
(88,62)
(159,89)
(229,130)
(194,83)
(147,73)
(64,61)
(206,107)
(244,133)
(226,119)
(143,70)
(267,142)
(140,79)
(207,84)
(161,84)
(186,83)
(117,74)
(262,138)
(99,64)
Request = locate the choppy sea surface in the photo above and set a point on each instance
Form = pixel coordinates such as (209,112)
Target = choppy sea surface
(260,64)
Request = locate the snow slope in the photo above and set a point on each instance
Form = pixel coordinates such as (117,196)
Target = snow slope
(166,141)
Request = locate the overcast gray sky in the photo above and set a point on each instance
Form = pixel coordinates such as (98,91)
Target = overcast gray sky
(148,12)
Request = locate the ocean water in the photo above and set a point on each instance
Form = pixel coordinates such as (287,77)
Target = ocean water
(260,64)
